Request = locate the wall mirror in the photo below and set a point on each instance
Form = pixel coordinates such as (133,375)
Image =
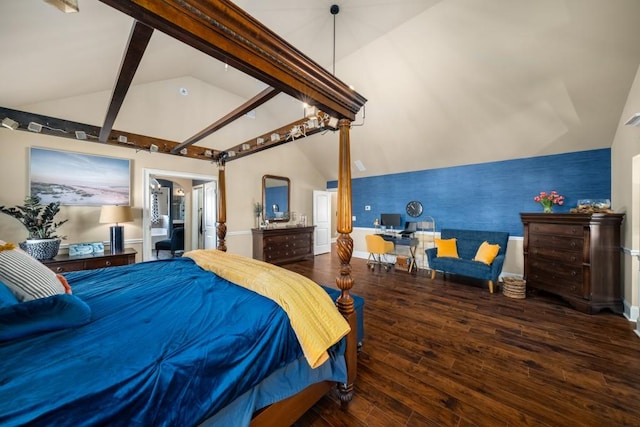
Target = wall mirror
(275,198)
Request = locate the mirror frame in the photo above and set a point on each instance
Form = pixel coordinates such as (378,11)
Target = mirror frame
(265,179)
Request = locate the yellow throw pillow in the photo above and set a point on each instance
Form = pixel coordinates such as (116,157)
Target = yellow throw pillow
(487,253)
(447,248)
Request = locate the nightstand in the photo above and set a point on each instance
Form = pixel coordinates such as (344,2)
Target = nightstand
(66,263)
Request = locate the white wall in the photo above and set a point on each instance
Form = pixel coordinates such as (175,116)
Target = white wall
(625,194)
(243,176)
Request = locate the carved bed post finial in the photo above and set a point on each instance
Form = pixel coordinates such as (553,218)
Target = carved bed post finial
(344,244)
(222,204)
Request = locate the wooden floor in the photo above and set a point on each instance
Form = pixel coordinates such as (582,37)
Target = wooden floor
(440,353)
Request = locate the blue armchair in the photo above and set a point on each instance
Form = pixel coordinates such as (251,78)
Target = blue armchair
(174,244)
(468,242)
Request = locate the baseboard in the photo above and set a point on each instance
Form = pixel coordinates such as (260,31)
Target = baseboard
(631,312)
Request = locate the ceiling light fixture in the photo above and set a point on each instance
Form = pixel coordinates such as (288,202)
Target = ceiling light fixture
(10,124)
(634,120)
(67,6)
(34,127)
(310,111)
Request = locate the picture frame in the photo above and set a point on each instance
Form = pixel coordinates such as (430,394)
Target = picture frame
(78,179)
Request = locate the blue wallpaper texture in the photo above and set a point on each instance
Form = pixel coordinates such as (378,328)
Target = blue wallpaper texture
(485,196)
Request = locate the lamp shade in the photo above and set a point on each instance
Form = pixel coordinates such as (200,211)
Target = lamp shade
(116,214)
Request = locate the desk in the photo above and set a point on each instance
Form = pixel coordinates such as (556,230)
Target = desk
(411,242)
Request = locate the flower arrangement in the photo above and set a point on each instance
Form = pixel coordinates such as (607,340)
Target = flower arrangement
(547,200)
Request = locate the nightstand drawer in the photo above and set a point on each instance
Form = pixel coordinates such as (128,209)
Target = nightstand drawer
(105,262)
(65,267)
(66,263)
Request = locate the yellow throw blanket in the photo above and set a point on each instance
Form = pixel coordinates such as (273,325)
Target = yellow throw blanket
(313,315)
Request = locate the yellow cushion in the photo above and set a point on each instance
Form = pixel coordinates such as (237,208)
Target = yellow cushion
(487,252)
(447,248)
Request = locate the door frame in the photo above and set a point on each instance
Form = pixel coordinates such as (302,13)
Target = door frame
(146,202)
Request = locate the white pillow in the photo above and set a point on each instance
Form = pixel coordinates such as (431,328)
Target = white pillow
(27,277)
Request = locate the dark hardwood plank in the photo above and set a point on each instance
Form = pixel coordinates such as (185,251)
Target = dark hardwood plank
(448,353)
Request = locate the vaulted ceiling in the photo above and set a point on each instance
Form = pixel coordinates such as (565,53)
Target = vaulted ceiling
(448,82)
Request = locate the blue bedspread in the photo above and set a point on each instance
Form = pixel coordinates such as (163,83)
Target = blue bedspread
(168,344)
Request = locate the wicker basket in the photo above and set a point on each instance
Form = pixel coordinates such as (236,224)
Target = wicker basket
(514,288)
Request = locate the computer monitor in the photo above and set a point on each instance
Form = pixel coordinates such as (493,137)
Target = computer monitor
(390,220)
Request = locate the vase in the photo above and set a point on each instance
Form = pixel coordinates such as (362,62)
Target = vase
(258,221)
(547,209)
(41,249)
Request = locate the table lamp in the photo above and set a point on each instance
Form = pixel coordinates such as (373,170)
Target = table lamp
(116,214)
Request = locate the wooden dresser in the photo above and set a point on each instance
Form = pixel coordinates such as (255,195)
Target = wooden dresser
(575,256)
(282,245)
(66,263)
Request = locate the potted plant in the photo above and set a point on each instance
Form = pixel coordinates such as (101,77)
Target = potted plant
(42,242)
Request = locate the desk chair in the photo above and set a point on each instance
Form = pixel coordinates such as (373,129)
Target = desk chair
(378,249)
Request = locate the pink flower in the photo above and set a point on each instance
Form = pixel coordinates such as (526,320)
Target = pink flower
(548,199)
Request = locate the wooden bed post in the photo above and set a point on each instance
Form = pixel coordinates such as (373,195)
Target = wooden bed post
(345,249)
(222,207)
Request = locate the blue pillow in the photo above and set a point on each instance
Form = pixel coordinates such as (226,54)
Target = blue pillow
(52,313)
(7,297)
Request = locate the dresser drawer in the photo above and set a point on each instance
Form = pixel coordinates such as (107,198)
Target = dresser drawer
(575,230)
(558,278)
(277,240)
(557,255)
(574,244)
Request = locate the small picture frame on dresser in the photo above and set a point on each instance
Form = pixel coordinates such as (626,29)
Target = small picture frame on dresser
(86,248)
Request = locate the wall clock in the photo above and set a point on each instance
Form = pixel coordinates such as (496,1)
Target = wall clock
(414,208)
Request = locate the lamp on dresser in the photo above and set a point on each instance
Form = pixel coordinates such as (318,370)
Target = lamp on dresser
(117,215)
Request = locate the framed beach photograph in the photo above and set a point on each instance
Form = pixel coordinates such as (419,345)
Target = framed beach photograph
(79,179)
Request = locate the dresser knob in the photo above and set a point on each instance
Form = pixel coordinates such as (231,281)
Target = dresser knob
(573,244)
(108,263)
(573,273)
(59,269)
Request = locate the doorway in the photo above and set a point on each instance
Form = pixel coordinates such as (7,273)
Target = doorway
(193,203)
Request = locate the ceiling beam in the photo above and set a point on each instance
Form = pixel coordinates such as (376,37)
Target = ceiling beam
(223,31)
(82,132)
(251,104)
(137,44)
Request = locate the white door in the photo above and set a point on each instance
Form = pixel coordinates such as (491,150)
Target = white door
(209,209)
(322,221)
(197,238)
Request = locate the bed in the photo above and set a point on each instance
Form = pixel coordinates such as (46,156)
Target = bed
(168,343)
(222,30)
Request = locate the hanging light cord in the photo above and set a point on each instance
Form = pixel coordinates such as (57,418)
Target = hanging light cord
(334,11)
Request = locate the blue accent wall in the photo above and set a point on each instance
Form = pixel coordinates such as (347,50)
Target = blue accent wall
(485,196)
